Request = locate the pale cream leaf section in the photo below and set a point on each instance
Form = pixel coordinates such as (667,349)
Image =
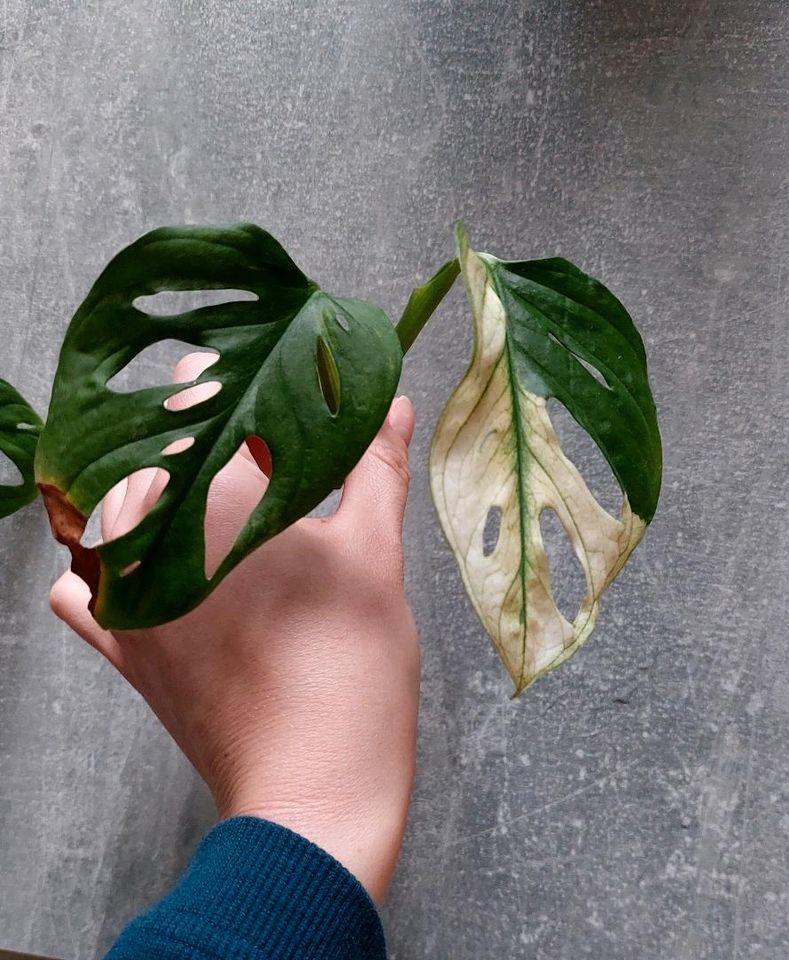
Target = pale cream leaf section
(495,446)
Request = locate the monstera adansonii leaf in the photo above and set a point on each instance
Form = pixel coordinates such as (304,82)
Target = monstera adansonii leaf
(311,374)
(20,427)
(539,326)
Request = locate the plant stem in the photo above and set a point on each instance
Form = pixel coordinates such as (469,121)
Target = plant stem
(423,302)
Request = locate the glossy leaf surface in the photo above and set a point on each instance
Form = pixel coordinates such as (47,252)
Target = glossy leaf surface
(542,329)
(20,427)
(311,374)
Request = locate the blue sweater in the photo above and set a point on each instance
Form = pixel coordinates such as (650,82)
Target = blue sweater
(256,891)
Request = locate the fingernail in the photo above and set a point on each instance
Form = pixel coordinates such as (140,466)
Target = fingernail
(401,418)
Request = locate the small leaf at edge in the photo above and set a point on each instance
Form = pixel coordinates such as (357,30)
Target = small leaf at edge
(20,427)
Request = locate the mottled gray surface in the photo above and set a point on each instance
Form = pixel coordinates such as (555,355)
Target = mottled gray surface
(633,804)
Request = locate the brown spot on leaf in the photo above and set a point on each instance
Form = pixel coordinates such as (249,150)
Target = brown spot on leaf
(68,525)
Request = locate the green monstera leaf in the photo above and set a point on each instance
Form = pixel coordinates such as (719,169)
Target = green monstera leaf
(542,329)
(20,427)
(311,374)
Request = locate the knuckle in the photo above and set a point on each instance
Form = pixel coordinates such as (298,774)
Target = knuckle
(392,456)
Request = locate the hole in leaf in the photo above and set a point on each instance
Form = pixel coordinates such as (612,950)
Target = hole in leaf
(491,531)
(130,568)
(568,584)
(170,302)
(342,320)
(141,493)
(233,494)
(181,445)
(190,397)
(260,454)
(153,366)
(328,376)
(10,474)
(91,535)
(328,506)
(581,449)
(593,370)
(589,367)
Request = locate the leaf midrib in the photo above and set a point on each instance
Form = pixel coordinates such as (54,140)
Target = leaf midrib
(517,427)
(509,349)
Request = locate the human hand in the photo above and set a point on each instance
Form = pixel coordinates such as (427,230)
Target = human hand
(293,688)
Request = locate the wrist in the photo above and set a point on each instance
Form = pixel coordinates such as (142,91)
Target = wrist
(365,841)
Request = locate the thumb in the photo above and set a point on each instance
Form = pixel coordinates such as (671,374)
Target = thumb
(375,492)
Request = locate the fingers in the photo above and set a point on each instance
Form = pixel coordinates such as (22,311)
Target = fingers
(375,492)
(189,368)
(233,494)
(69,601)
(143,489)
(128,502)
(111,508)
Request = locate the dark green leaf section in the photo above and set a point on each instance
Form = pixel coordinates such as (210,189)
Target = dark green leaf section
(570,338)
(20,427)
(274,353)
(424,301)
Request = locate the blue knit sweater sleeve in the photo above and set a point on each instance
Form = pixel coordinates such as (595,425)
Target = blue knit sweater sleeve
(256,891)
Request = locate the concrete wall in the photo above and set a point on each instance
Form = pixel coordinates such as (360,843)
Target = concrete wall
(633,804)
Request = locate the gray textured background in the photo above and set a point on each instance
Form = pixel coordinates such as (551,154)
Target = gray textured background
(633,804)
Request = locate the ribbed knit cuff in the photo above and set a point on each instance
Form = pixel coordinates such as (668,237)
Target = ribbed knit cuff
(256,890)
